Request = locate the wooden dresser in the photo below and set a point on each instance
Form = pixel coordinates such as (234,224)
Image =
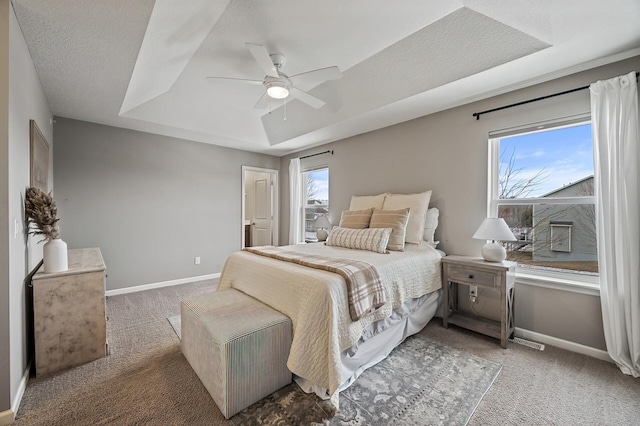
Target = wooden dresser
(69,313)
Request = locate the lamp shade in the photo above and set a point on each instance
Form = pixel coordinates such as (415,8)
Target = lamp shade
(494,228)
(322,222)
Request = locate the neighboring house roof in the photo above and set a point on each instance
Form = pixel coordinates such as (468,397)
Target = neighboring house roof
(568,187)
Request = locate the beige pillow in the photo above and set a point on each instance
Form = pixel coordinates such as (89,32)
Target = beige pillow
(418,203)
(361,239)
(355,219)
(394,219)
(362,202)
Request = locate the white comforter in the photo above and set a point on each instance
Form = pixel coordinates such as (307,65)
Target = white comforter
(316,300)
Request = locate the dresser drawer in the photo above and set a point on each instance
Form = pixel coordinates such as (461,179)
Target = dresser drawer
(471,276)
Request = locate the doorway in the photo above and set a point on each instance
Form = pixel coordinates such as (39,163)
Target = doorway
(259,207)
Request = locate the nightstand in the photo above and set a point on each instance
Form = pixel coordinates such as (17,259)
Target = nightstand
(476,271)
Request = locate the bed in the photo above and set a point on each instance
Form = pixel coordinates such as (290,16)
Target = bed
(329,349)
(341,329)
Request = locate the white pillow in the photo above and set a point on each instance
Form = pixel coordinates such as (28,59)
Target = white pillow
(418,203)
(430,225)
(363,202)
(372,239)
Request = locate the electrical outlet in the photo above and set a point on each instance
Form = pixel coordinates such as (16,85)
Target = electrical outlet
(473,292)
(196,260)
(17,229)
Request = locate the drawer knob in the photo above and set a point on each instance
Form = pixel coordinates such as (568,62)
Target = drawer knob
(470,276)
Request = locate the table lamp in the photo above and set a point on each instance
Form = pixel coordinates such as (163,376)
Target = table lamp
(494,229)
(322,224)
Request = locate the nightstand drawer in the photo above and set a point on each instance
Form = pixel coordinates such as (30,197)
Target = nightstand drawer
(470,275)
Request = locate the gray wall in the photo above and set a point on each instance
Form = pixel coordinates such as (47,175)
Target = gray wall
(447,152)
(21,91)
(151,203)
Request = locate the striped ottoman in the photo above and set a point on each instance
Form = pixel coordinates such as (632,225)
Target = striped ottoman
(237,346)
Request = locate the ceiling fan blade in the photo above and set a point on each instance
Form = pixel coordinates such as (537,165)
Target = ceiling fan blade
(307,98)
(244,80)
(322,74)
(261,55)
(263,102)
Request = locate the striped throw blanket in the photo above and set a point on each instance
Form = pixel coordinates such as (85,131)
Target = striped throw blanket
(364,288)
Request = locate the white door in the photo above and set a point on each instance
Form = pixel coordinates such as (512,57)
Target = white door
(262,223)
(259,206)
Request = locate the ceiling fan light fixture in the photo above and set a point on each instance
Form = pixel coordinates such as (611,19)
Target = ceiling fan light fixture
(277,89)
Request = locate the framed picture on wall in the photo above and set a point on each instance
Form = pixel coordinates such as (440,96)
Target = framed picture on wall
(39,158)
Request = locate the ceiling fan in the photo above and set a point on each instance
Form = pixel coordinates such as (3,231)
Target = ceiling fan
(278,85)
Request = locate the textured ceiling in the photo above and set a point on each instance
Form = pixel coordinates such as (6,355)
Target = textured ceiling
(143,64)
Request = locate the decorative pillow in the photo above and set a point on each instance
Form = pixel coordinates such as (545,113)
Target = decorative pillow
(418,203)
(430,225)
(356,219)
(362,202)
(375,239)
(394,219)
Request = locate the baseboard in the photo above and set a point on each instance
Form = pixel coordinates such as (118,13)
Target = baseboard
(23,387)
(6,417)
(563,344)
(143,287)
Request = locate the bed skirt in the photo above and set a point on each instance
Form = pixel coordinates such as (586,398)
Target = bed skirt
(379,339)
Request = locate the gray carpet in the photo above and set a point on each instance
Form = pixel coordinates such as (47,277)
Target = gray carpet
(147,381)
(419,380)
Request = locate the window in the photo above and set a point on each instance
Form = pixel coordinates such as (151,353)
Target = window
(315,193)
(541,183)
(561,236)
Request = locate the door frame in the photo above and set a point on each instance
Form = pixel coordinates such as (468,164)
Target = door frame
(276,201)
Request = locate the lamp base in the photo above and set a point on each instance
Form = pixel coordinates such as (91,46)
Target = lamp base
(493,252)
(322,234)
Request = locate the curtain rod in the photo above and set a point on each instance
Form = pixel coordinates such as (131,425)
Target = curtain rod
(319,153)
(478,114)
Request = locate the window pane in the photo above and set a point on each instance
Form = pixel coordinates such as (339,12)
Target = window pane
(553,236)
(316,200)
(550,163)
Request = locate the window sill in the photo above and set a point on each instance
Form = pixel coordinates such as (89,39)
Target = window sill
(573,283)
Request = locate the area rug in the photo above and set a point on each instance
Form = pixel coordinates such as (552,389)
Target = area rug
(175,324)
(421,382)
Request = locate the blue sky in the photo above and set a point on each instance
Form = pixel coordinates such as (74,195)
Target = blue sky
(564,155)
(322,182)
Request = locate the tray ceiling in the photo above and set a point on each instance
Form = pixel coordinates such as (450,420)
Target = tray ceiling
(143,64)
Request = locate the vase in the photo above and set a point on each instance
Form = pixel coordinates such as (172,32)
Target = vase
(55,256)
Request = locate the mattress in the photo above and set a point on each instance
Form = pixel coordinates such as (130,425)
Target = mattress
(316,301)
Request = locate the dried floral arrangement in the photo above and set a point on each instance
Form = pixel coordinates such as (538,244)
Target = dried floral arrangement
(42,213)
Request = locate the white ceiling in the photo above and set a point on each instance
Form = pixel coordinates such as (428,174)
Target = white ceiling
(143,64)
